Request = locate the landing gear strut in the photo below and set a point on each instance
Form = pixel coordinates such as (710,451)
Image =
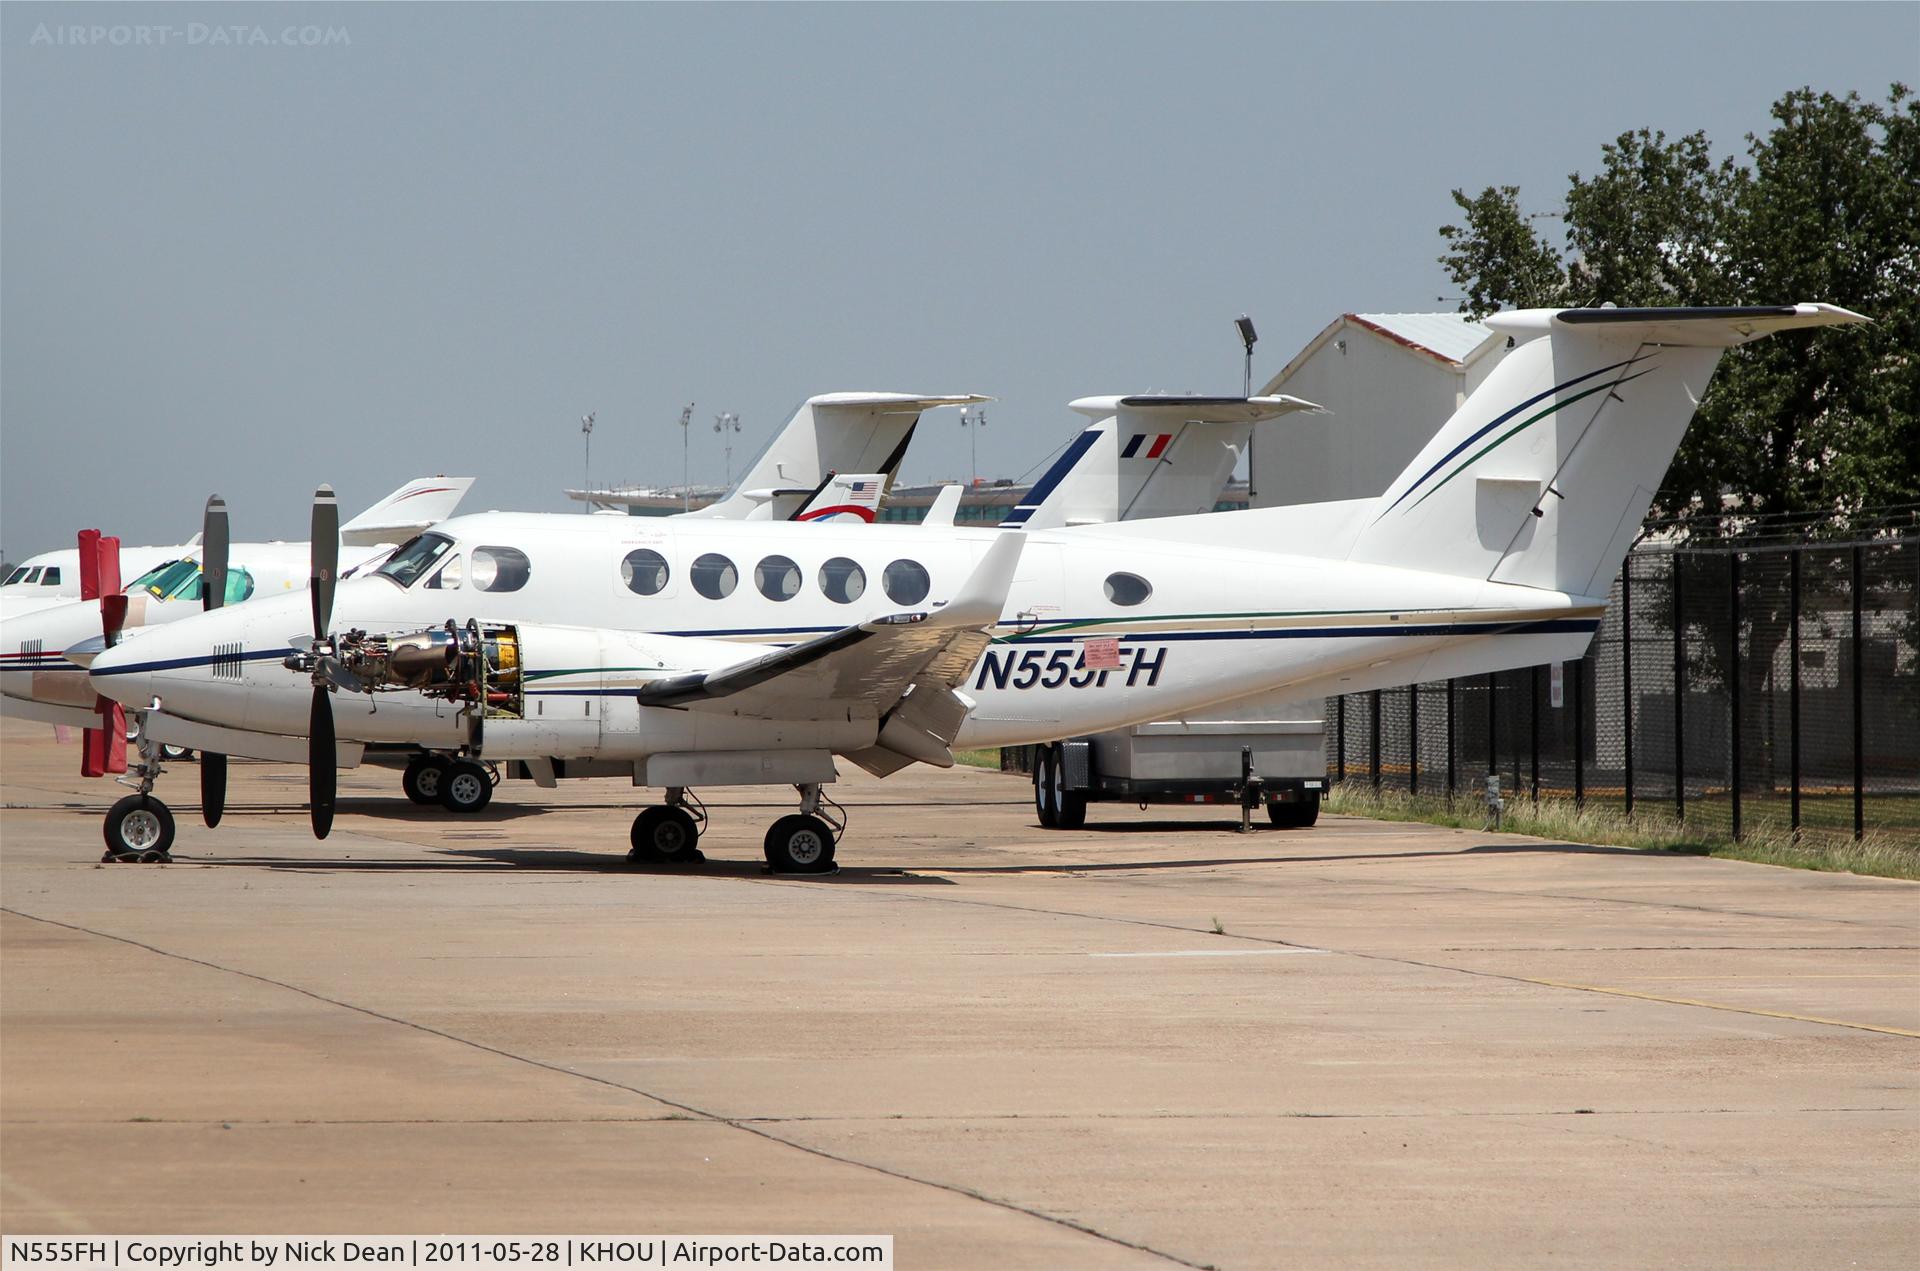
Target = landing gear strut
(139,827)
(669,834)
(804,843)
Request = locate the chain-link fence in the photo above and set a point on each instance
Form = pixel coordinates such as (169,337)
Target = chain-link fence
(1735,686)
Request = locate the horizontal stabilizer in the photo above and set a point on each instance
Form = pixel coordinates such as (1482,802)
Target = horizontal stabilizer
(1720,327)
(1192,410)
(419,504)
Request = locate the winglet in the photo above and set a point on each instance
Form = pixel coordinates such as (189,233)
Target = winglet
(945,506)
(983,597)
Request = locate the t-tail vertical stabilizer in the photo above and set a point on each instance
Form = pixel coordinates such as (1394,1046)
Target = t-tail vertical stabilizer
(1544,474)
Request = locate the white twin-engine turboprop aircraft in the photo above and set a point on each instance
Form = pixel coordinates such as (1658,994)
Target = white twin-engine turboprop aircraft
(718,653)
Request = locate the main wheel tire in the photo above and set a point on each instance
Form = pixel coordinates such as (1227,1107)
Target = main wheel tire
(800,844)
(1069,806)
(667,835)
(465,787)
(175,754)
(422,779)
(1298,815)
(139,826)
(1043,804)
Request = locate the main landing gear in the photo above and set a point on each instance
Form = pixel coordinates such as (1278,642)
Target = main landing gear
(458,785)
(799,844)
(140,827)
(669,834)
(804,843)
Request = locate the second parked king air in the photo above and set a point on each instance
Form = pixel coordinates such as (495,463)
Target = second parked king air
(692,653)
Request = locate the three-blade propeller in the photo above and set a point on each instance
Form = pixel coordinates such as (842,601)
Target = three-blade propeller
(213,594)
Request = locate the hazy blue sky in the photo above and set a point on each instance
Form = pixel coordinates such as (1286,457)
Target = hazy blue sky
(432,246)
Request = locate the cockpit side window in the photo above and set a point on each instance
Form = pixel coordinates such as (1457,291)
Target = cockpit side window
(19,575)
(51,578)
(175,580)
(414,557)
(448,579)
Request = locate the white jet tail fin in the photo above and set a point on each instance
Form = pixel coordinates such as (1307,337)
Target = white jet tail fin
(834,432)
(420,503)
(1147,457)
(1544,474)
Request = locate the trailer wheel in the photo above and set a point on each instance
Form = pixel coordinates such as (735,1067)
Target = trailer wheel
(1069,806)
(1043,804)
(1296,816)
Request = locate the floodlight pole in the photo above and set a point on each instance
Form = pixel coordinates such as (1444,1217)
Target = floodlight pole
(973,419)
(727,425)
(1247,337)
(586,479)
(686,492)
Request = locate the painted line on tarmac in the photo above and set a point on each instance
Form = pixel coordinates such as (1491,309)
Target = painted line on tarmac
(1720,1006)
(1210,953)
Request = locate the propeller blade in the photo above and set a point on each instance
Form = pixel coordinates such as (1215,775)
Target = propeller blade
(321,777)
(326,558)
(213,787)
(213,560)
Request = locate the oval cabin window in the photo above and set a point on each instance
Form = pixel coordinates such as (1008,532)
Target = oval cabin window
(777,578)
(906,582)
(1127,589)
(842,581)
(644,571)
(714,576)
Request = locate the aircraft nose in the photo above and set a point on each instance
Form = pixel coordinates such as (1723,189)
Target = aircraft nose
(118,673)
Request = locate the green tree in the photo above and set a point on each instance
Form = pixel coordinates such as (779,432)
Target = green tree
(1827,207)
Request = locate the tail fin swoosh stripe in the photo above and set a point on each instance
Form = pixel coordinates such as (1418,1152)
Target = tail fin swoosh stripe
(1055,475)
(1489,427)
(1520,427)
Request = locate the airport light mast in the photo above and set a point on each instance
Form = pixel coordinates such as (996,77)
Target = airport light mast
(1247,337)
(686,495)
(586,476)
(973,419)
(727,426)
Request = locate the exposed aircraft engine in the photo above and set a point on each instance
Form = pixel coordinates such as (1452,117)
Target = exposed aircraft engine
(474,665)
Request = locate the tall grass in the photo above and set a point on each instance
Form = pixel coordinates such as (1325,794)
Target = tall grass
(1649,830)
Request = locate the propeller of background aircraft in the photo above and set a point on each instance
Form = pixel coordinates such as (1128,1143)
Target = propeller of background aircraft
(322,779)
(213,594)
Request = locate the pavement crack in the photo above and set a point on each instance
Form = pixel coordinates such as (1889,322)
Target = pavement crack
(757,1131)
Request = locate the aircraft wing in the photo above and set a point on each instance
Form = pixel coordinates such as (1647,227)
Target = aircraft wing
(899,669)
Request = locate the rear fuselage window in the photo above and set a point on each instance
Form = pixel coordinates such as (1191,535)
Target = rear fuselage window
(777,578)
(414,558)
(500,568)
(1128,589)
(714,576)
(644,572)
(842,581)
(906,582)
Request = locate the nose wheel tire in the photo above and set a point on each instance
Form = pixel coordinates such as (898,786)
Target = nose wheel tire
(465,787)
(422,779)
(800,844)
(139,828)
(665,835)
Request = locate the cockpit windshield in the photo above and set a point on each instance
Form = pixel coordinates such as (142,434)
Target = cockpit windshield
(182,580)
(171,581)
(414,558)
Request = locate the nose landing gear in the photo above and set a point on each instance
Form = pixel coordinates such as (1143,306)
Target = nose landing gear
(140,827)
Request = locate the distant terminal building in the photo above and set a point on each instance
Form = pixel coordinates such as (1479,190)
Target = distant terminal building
(1388,381)
(983,503)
